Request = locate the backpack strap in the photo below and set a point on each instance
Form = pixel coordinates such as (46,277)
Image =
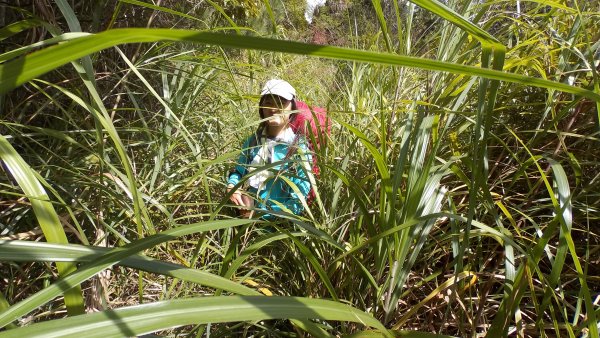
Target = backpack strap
(254,141)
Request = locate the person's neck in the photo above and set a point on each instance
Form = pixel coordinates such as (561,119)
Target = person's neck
(276,131)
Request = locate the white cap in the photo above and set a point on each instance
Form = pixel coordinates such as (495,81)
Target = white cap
(279,88)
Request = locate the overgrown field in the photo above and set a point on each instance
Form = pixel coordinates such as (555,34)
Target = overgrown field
(458,193)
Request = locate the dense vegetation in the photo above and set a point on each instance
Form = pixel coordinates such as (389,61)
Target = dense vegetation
(458,192)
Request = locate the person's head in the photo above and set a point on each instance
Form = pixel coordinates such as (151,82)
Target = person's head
(277,100)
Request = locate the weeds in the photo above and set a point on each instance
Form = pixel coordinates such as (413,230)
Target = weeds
(457,192)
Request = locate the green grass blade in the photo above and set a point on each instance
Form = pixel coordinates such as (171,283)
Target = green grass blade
(26,251)
(4,304)
(172,119)
(26,49)
(566,219)
(449,14)
(435,293)
(147,318)
(561,185)
(382,24)
(45,215)
(113,256)
(100,114)
(377,156)
(500,237)
(399,333)
(260,243)
(160,9)
(87,74)
(19,26)
(224,14)
(269,10)
(500,323)
(433,199)
(17,72)
(315,264)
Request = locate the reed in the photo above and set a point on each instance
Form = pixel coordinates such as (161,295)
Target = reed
(457,196)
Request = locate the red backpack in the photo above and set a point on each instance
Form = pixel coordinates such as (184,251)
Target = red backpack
(320,129)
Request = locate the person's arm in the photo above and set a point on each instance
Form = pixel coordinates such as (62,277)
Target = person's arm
(301,179)
(238,172)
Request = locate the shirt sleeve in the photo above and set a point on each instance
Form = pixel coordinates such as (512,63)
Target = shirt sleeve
(302,179)
(240,168)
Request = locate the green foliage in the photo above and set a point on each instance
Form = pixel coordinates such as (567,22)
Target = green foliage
(457,196)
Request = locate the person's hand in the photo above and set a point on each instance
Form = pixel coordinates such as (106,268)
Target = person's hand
(243,201)
(236,197)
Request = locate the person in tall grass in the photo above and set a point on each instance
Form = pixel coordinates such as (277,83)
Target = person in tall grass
(275,161)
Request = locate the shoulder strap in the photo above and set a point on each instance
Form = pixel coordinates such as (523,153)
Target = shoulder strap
(256,137)
(293,148)
(254,141)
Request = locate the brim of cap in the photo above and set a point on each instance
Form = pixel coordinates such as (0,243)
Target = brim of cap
(283,94)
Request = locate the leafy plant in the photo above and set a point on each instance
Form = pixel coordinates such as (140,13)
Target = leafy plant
(456,194)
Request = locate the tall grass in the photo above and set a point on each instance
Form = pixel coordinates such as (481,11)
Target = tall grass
(457,193)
